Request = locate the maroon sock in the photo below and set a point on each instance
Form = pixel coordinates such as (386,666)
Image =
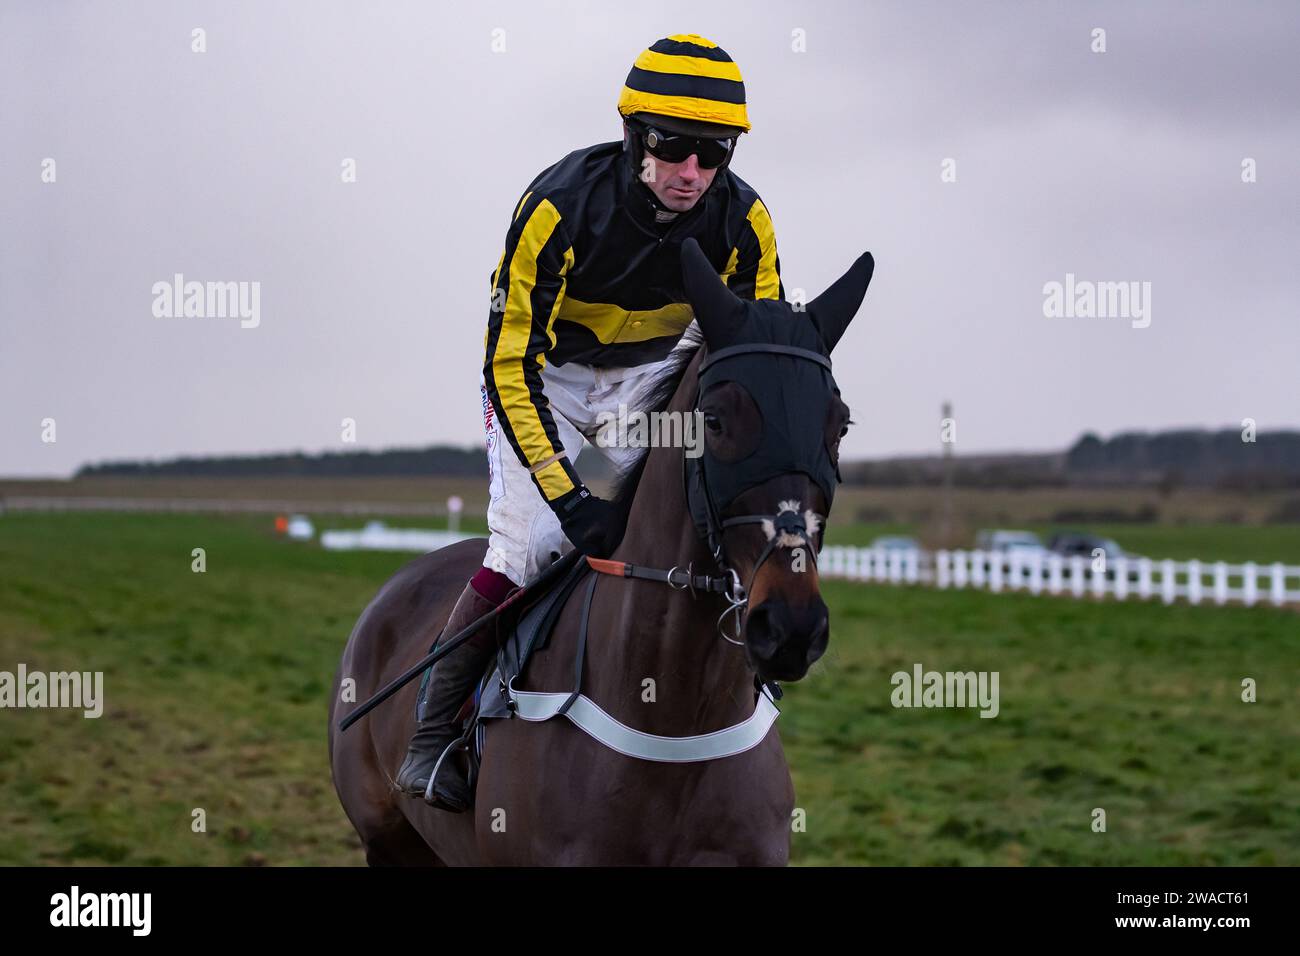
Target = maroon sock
(491,585)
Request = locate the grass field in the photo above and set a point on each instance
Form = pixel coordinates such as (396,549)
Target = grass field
(216,688)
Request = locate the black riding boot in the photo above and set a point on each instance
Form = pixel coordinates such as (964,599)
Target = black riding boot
(450,684)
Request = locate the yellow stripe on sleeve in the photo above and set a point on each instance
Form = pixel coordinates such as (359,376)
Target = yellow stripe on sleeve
(512,345)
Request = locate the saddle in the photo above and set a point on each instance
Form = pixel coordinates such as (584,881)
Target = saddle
(524,632)
(522,629)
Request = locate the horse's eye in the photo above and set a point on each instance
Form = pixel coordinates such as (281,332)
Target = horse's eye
(712,423)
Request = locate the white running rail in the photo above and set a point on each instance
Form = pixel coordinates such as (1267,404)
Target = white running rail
(1198,582)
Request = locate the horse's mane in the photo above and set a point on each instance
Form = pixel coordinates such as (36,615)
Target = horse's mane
(656,396)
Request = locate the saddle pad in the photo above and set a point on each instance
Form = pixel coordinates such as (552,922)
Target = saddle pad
(530,632)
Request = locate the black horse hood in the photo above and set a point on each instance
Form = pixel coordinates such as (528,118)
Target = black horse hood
(780,356)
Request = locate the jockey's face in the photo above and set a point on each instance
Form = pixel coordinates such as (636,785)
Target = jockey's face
(678,186)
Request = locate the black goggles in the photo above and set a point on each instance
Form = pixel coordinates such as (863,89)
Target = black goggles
(676,147)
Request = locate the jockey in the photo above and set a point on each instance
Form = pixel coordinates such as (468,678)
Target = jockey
(587,306)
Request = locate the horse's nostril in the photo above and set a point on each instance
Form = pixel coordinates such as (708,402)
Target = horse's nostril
(763,632)
(821,631)
(815,652)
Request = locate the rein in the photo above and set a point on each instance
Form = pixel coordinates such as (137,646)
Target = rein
(787,525)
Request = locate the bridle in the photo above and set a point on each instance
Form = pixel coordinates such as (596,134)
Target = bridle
(789,526)
(789,530)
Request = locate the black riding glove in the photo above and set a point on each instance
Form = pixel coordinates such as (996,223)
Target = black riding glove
(592,524)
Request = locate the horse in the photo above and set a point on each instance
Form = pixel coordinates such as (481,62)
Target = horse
(674,662)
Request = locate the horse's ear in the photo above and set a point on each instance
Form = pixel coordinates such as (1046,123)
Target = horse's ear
(716,307)
(834,309)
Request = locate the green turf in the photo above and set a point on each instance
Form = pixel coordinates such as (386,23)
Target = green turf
(216,689)
(1133,708)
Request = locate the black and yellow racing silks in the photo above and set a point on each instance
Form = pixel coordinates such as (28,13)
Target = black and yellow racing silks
(589,276)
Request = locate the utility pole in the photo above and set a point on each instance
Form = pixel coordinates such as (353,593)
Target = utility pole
(948,438)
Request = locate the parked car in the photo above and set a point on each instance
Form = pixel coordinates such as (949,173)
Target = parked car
(1001,546)
(1070,543)
(1001,541)
(1082,544)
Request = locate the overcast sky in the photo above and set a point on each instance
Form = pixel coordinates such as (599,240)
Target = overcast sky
(226,166)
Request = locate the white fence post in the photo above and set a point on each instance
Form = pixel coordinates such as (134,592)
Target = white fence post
(942,569)
(1098,579)
(995,571)
(1076,575)
(878,564)
(1220,583)
(1168,581)
(1121,578)
(1036,573)
(895,567)
(1194,581)
(1014,570)
(912,567)
(1277,587)
(1144,577)
(1054,577)
(1249,584)
(977,576)
(959,574)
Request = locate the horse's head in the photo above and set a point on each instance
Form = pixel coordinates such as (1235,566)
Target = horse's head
(762,488)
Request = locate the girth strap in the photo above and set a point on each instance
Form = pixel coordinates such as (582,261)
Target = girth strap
(590,718)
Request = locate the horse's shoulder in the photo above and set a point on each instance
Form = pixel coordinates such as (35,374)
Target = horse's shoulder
(437,567)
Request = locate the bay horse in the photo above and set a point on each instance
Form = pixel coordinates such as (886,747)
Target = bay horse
(658,659)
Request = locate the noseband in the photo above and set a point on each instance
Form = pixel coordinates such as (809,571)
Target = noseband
(788,529)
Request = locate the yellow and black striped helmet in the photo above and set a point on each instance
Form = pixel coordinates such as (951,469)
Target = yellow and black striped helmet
(687,78)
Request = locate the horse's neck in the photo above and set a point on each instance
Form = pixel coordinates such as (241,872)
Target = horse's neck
(669,631)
